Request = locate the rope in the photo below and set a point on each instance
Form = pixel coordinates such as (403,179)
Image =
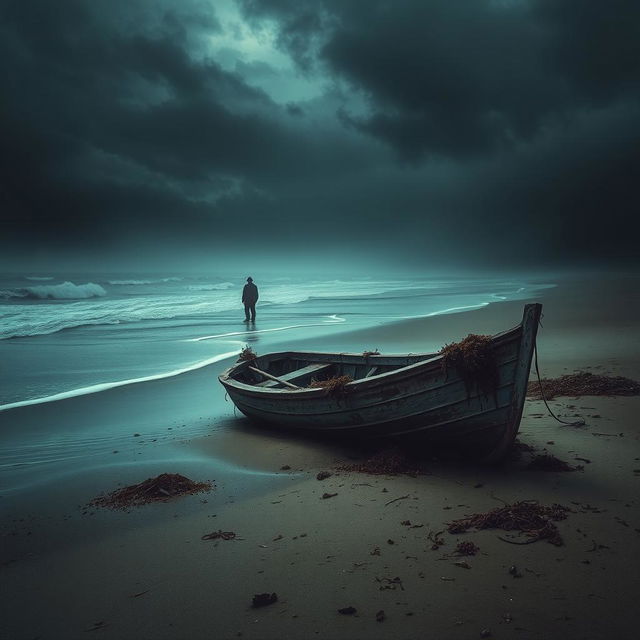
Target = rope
(577,423)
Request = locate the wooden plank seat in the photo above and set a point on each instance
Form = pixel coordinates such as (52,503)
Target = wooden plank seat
(292,376)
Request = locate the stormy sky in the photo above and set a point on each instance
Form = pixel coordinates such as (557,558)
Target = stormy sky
(424,132)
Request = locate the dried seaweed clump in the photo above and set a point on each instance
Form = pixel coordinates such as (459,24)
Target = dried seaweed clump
(550,463)
(332,385)
(474,361)
(389,462)
(247,354)
(530,517)
(583,383)
(159,489)
(467,548)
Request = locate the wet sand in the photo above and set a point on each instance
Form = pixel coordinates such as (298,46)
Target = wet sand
(68,570)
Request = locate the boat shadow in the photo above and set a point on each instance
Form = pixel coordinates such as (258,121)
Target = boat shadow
(394,456)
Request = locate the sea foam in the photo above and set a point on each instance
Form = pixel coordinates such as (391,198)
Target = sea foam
(132,282)
(211,287)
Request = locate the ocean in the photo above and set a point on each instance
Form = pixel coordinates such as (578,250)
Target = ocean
(72,334)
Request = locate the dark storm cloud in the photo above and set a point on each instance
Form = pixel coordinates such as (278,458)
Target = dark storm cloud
(443,129)
(110,120)
(532,105)
(469,76)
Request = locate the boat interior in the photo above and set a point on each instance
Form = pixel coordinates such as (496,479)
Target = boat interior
(289,371)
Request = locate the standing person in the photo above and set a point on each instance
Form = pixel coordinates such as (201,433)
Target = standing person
(249,299)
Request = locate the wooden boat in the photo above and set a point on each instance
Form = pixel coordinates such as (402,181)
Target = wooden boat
(392,396)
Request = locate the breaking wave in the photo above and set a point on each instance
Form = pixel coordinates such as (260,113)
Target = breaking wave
(129,282)
(64,291)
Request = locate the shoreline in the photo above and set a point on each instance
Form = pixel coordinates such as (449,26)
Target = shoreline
(146,573)
(317,331)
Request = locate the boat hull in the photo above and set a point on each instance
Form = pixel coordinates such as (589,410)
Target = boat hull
(419,401)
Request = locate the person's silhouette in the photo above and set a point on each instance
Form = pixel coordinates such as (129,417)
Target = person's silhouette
(249,299)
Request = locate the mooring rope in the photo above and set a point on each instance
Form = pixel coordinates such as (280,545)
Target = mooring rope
(577,423)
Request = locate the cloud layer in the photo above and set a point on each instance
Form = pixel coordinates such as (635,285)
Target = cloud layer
(473,132)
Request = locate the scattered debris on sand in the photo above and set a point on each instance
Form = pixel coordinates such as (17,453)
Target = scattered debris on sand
(529,517)
(436,539)
(332,385)
(474,361)
(323,475)
(390,583)
(513,572)
(386,504)
(347,611)
(547,462)
(162,488)
(380,616)
(263,599)
(583,383)
(247,354)
(326,496)
(388,462)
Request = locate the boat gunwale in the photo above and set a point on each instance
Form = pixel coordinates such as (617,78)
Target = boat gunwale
(359,384)
(395,398)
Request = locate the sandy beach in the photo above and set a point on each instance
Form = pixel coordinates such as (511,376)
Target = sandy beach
(69,570)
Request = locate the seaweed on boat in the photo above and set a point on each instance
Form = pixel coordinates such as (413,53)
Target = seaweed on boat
(530,517)
(332,385)
(159,489)
(247,354)
(474,361)
(583,383)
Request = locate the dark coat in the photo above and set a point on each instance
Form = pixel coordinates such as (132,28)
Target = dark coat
(250,293)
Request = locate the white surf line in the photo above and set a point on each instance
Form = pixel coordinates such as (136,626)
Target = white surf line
(104,386)
(480,305)
(334,320)
(454,309)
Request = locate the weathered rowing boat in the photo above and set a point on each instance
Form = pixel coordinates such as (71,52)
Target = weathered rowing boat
(407,396)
